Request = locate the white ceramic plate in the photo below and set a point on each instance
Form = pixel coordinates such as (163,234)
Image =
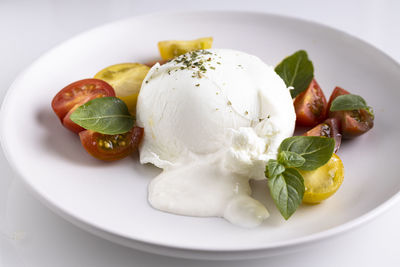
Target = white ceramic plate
(109,199)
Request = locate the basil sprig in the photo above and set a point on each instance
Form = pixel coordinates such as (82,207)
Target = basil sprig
(291,159)
(297,71)
(315,150)
(106,115)
(285,182)
(350,102)
(287,190)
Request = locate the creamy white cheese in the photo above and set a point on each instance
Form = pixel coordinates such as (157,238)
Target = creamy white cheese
(211,129)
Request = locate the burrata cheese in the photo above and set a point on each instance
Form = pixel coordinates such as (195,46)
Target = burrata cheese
(212,119)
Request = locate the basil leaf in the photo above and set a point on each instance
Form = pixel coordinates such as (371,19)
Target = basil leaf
(287,191)
(274,168)
(348,102)
(296,71)
(290,159)
(106,115)
(316,150)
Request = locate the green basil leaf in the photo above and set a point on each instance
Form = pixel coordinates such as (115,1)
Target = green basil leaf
(287,191)
(296,71)
(290,159)
(274,168)
(348,102)
(316,150)
(106,115)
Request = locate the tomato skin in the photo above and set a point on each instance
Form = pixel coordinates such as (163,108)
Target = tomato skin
(335,93)
(310,106)
(69,124)
(174,48)
(353,123)
(126,79)
(111,147)
(137,136)
(323,182)
(329,128)
(76,94)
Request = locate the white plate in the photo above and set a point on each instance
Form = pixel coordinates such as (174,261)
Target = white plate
(109,199)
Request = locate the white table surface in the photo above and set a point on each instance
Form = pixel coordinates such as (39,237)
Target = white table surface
(31,235)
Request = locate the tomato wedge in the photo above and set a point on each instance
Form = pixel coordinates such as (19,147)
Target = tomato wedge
(353,123)
(329,128)
(336,92)
(111,147)
(310,106)
(170,49)
(76,94)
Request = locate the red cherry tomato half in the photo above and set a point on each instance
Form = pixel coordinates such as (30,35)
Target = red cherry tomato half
(353,123)
(69,124)
(310,106)
(76,94)
(111,147)
(329,128)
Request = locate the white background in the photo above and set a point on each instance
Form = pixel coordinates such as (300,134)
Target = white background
(31,235)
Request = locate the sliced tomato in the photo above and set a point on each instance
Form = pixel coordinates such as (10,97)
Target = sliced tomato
(336,92)
(310,106)
(76,94)
(111,147)
(323,182)
(329,128)
(170,49)
(69,124)
(126,79)
(353,123)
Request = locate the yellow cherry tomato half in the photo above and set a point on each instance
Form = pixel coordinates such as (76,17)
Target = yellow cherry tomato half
(126,79)
(324,181)
(171,49)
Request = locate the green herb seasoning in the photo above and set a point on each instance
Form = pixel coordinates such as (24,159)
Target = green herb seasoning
(194,61)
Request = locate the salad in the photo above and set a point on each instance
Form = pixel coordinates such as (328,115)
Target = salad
(213,119)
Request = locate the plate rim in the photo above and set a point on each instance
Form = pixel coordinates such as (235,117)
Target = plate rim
(161,247)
